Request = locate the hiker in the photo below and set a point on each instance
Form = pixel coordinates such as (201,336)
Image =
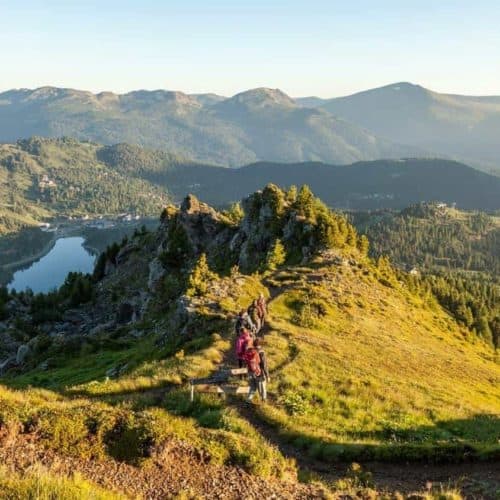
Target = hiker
(242,341)
(254,314)
(252,360)
(264,378)
(244,321)
(262,308)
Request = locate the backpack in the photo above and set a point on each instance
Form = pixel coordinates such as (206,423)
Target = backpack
(253,362)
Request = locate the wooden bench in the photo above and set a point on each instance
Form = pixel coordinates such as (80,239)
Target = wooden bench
(219,383)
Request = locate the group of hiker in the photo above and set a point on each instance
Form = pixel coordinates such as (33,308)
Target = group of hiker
(249,350)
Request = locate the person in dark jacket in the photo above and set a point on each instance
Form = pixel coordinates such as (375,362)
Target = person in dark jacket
(262,308)
(243,320)
(253,312)
(264,369)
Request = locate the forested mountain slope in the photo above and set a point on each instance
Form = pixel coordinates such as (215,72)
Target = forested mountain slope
(45,178)
(259,124)
(362,185)
(456,126)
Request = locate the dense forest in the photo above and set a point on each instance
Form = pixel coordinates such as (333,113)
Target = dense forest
(433,236)
(42,178)
(473,300)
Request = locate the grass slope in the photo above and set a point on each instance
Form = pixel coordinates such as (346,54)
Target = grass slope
(379,374)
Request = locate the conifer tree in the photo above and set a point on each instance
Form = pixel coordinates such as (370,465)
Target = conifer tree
(305,202)
(363,244)
(291,195)
(199,278)
(276,256)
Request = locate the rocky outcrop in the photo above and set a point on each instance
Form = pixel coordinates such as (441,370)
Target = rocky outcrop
(7,363)
(156,273)
(22,354)
(211,232)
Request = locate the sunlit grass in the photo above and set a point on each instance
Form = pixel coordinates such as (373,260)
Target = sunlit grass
(40,484)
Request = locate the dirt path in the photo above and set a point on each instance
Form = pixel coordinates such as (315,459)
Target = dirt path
(174,470)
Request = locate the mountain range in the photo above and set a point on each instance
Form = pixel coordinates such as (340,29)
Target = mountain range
(394,121)
(254,125)
(455,126)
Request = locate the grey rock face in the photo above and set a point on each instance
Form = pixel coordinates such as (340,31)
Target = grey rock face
(156,273)
(22,353)
(6,364)
(125,313)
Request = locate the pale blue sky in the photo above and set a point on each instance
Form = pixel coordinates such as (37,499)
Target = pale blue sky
(314,47)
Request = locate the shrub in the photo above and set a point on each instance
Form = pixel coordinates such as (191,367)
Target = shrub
(294,403)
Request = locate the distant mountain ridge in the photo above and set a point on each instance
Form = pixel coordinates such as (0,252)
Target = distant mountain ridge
(456,126)
(259,124)
(360,186)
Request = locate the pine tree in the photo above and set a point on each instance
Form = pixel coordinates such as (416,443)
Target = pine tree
(235,213)
(363,244)
(199,278)
(291,195)
(305,202)
(276,256)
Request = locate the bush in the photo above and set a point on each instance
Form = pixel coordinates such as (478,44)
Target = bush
(294,403)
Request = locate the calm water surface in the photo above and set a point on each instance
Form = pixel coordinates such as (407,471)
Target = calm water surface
(67,255)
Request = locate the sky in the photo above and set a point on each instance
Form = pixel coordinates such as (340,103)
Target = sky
(315,47)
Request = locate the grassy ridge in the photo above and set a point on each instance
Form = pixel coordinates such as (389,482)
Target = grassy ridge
(377,373)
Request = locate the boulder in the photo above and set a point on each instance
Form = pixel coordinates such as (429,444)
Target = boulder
(125,252)
(103,327)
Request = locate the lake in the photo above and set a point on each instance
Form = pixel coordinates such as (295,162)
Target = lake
(67,255)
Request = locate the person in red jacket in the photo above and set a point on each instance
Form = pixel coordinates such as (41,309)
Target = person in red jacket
(252,360)
(242,341)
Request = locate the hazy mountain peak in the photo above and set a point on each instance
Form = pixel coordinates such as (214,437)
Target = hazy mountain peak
(263,97)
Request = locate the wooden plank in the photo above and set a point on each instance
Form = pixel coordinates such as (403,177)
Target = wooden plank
(220,377)
(237,371)
(208,380)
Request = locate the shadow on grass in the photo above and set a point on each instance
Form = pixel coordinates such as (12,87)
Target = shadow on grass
(450,441)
